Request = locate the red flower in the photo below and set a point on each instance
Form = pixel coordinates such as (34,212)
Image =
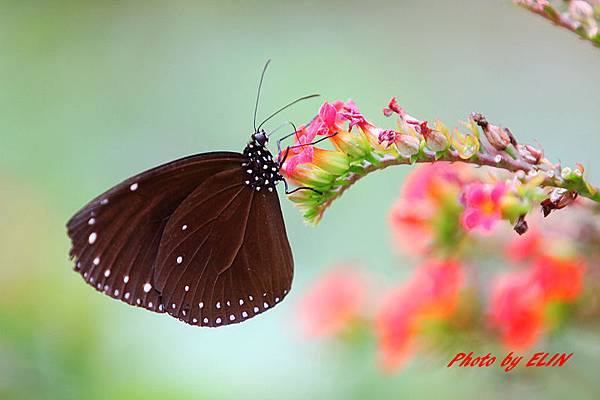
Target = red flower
(333,302)
(516,309)
(524,247)
(396,328)
(561,279)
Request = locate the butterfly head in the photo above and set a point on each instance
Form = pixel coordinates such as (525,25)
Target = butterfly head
(260,137)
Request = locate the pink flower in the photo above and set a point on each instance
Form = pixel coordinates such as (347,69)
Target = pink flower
(333,303)
(439,284)
(482,205)
(428,193)
(432,293)
(516,309)
(393,107)
(353,115)
(298,155)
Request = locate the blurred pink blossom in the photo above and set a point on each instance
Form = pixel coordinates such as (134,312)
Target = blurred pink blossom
(333,302)
(482,203)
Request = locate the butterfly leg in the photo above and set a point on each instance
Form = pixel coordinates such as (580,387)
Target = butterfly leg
(287,150)
(313,143)
(288,191)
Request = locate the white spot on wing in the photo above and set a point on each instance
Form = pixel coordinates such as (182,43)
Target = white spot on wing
(133,187)
(126,279)
(91,221)
(92,238)
(183,227)
(107,273)
(96,261)
(179,259)
(147,287)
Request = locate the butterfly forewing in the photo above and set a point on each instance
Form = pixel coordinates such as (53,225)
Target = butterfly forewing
(233,259)
(115,238)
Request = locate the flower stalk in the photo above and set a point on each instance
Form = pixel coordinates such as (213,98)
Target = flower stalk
(361,148)
(581,17)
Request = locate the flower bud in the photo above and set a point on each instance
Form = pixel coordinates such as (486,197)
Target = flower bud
(355,146)
(331,161)
(521,226)
(436,140)
(580,10)
(497,136)
(583,12)
(407,145)
(530,153)
(466,145)
(312,176)
(559,198)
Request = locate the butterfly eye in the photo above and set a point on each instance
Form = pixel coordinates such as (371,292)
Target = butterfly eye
(261,138)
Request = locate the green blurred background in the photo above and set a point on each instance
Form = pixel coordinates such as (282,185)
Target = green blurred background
(92,92)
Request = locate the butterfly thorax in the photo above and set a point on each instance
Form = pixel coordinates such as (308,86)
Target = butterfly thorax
(260,170)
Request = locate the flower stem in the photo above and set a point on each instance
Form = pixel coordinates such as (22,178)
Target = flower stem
(553,179)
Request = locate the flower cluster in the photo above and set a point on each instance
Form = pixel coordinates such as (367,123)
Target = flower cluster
(579,16)
(445,212)
(340,146)
(431,296)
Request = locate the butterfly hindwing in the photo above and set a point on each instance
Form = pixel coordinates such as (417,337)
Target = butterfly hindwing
(224,256)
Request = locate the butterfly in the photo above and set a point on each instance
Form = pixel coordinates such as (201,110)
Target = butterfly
(201,238)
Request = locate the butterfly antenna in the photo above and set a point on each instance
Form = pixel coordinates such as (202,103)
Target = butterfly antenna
(310,96)
(258,93)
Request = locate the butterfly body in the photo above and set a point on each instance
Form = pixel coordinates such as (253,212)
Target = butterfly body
(201,238)
(262,172)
